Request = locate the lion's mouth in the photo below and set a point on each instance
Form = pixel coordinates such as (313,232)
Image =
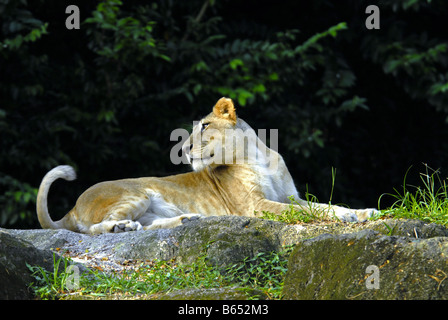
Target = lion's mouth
(202,158)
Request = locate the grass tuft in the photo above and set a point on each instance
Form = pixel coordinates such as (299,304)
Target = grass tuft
(294,216)
(427,202)
(264,272)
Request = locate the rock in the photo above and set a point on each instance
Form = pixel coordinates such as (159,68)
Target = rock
(14,274)
(334,267)
(224,240)
(211,294)
(318,266)
(391,227)
(408,228)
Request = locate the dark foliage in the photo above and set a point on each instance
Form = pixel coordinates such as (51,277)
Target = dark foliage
(106,97)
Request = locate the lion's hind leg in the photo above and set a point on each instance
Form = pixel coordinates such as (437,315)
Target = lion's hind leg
(117,215)
(162,214)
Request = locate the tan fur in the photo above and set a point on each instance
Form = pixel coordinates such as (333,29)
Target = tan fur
(211,189)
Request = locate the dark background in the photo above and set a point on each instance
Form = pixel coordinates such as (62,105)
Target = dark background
(105,98)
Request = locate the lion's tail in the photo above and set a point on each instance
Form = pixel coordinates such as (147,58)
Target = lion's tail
(64,172)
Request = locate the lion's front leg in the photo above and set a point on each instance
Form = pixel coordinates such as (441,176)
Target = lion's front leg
(319,209)
(341,213)
(164,223)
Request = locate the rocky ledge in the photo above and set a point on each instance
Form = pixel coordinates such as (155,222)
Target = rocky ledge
(385,259)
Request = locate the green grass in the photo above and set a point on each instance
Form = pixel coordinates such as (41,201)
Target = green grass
(294,216)
(427,202)
(264,272)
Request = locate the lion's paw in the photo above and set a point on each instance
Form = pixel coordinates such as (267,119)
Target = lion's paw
(126,225)
(350,215)
(185,218)
(346,215)
(365,214)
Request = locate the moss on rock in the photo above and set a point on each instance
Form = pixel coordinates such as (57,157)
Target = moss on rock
(14,274)
(334,267)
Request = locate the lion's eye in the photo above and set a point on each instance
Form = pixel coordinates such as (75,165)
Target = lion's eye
(204,126)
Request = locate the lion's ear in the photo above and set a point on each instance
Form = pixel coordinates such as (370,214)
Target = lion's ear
(225,109)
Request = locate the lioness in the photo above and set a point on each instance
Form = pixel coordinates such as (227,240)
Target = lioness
(243,184)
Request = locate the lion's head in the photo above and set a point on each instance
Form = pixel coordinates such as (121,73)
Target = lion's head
(221,138)
(206,144)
